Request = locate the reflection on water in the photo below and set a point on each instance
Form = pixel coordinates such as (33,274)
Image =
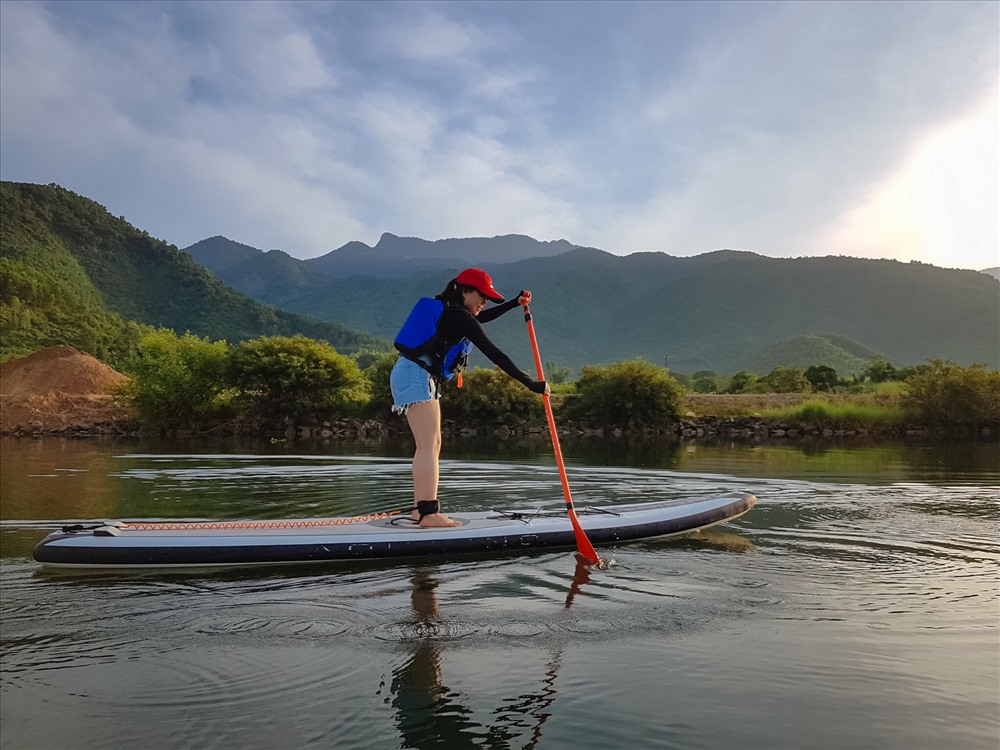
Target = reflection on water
(430,714)
(830,460)
(852,607)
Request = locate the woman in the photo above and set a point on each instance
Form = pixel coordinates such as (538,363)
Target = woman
(434,344)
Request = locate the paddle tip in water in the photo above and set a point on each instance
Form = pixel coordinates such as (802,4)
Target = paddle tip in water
(601,563)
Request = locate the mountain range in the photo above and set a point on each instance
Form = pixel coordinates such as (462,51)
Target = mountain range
(70,272)
(723,311)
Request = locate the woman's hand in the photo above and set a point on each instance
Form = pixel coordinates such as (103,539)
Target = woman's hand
(524,298)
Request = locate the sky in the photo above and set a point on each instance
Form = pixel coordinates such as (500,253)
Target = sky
(789,129)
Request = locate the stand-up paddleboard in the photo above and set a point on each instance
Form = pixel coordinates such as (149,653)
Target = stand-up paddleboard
(155,544)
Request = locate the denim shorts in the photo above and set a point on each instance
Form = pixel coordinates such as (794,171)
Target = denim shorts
(411,384)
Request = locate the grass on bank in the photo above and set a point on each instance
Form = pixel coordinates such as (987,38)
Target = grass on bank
(843,414)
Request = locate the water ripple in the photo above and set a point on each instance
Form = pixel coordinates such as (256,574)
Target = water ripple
(850,588)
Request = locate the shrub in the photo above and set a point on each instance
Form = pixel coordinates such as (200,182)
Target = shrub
(178,379)
(556,375)
(783,380)
(742,382)
(632,394)
(377,372)
(368,357)
(296,378)
(821,377)
(491,397)
(880,371)
(947,393)
(704,385)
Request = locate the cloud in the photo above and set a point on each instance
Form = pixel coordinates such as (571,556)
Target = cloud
(422,35)
(767,137)
(681,127)
(940,204)
(184,167)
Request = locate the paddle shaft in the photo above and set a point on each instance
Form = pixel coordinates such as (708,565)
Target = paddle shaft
(582,542)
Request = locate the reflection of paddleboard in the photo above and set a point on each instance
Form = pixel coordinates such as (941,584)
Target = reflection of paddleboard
(378,536)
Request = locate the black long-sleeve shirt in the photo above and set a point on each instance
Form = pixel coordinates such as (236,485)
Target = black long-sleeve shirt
(457,323)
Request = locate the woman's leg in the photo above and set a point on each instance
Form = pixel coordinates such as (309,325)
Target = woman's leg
(425,424)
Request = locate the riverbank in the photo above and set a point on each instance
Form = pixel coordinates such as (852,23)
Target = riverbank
(752,429)
(63,392)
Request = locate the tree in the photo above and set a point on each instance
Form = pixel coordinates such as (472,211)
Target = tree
(821,377)
(880,371)
(704,381)
(947,393)
(741,382)
(492,397)
(635,393)
(278,377)
(784,380)
(555,374)
(377,372)
(368,357)
(178,379)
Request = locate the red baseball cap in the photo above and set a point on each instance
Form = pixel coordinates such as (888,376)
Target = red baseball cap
(479,280)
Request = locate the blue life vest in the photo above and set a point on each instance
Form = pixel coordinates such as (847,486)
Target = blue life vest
(420,341)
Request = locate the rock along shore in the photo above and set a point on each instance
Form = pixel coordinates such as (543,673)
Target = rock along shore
(706,428)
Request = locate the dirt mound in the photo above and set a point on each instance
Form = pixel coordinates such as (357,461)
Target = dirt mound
(60,389)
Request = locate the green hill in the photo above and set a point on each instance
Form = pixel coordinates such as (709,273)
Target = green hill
(72,273)
(846,357)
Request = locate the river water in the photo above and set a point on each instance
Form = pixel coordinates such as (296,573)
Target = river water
(856,606)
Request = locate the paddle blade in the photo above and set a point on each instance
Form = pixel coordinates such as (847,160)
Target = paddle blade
(583,545)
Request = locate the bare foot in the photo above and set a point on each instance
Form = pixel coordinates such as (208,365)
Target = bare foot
(437,520)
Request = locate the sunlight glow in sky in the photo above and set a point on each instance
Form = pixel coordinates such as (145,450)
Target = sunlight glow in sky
(931,208)
(786,128)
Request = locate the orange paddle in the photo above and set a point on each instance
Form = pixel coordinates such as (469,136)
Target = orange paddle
(583,545)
